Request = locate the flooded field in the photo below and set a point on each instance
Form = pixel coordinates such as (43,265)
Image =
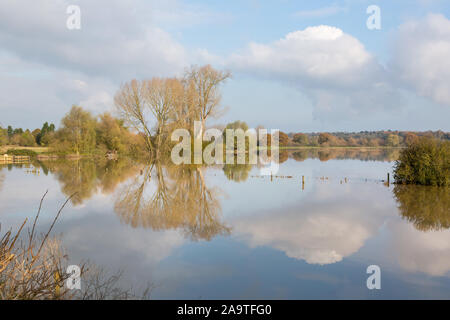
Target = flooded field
(226,232)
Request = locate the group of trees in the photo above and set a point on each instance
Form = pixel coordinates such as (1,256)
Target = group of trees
(156,106)
(148,112)
(27,138)
(82,133)
(344,139)
(362,139)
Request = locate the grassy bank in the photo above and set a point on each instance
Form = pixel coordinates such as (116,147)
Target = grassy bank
(38,150)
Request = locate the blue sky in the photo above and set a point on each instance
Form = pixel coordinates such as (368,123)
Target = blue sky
(297,65)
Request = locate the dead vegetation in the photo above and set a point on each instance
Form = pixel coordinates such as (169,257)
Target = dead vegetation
(34,268)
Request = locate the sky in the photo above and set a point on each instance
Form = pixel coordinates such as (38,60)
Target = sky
(298,66)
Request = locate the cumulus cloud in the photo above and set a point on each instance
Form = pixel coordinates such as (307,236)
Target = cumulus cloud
(121,40)
(114,41)
(333,68)
(421,57)
(58,67)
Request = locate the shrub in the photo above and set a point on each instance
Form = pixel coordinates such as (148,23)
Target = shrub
(34,268)
(21,152)
(425,162)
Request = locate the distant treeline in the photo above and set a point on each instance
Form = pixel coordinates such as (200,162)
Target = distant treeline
(82,133)
(359,139)
(27,138)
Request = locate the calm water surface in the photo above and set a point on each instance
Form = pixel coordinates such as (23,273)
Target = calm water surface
(229,233)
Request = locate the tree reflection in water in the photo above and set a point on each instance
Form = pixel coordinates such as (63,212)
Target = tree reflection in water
(166,196)
(428,208)
(2,178)
(86,177)
(237,172)
(364,154)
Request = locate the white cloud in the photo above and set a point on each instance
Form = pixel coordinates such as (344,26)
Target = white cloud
(114,41)
(57,67)
(421,57)
(331,67)
(320,54)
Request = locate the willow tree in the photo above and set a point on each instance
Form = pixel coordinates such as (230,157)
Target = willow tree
(163,98)
(206,82)
(130,104)
(155,107)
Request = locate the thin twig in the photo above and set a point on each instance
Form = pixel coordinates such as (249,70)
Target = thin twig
(53,223)
(36,218)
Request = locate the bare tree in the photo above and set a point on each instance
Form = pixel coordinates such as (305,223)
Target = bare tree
(130,104)
(206,81)
(168,103)
(163,97)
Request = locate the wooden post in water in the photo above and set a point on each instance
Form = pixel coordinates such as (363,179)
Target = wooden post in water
(388,179)
(303,182)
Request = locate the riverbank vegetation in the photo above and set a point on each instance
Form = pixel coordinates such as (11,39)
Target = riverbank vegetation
(33,267)
(362,139)
(424,162)
(147,111)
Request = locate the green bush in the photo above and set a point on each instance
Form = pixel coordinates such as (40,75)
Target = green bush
(21,152)
(425,162)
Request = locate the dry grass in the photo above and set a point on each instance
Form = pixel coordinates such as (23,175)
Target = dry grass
(4,149)
(34,268)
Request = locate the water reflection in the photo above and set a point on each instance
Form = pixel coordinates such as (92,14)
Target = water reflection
(237,172)
(172,197)
(142,216)
(2,178)
(428,208)
(321,229)
(85,177)
(362,154)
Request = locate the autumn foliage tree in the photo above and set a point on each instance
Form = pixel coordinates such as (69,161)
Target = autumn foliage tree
(154,107)
(301,139)
(77,132)
(284,139)
(425,162)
